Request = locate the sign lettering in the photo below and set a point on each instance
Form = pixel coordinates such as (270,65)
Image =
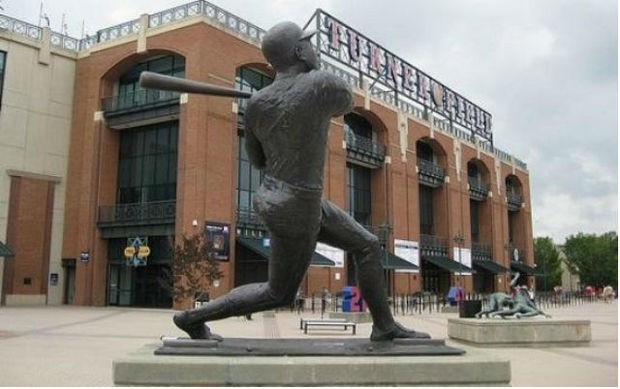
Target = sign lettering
(363,56)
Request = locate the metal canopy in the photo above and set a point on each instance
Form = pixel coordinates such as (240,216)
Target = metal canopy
(391,261)
(523,268)
(5,251)
(447,264)
(259,248)
(490,266)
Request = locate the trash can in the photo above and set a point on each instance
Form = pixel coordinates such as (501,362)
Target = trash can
(469,308)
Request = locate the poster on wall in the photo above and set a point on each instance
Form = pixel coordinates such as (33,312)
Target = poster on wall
(218,234)
(330,252)
(409,251)
(464,258)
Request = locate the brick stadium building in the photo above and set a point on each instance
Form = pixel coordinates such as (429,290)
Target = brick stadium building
(414,162)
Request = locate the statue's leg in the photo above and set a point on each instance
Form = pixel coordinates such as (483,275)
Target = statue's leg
(506,312)
(294,223)
(341,230)
(493,307)
(289,261)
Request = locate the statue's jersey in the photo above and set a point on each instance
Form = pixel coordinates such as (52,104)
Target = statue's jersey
(287,124)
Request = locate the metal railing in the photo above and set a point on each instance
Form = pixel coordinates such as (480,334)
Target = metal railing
(514,200)
(118,31)
(247,216)
(430,173)
(478,190)
(212,12)
(138,212)
(434,245)
(481,251)
(139,99)
(24,29)
(364,145)
(430,302)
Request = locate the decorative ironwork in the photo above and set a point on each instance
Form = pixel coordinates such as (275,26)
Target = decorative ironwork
(513,200)
(364,150)
(118,31)
(481,251)
(430,174)
(139,99)
(64,41)
(478,190)
(247,216)
(154,212)
(24,29)
(433,245)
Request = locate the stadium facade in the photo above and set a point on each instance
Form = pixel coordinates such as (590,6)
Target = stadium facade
(99,176)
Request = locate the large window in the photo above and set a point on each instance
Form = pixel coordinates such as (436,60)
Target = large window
(426,210)
(248,181)
(131,94)
(358,125)
(2,67)
(148,164)
(358,191)
(474,211)
(249,178)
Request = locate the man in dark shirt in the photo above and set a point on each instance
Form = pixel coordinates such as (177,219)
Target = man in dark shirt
(286,135)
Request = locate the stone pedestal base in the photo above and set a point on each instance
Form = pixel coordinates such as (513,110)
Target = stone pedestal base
(472,369)
(450,309)
(520,332)
(354,317)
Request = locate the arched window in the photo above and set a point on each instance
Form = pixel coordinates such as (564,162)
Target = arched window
(130,94)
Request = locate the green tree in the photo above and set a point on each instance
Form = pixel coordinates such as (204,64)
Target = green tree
(594,258)
(194,268)
(548,264)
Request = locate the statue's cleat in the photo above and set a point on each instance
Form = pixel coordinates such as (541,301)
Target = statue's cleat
(197,330)
(396,332)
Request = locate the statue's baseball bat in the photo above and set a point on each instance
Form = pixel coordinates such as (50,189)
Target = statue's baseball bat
(152,80)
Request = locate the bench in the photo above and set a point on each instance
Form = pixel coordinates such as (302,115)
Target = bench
(305,323)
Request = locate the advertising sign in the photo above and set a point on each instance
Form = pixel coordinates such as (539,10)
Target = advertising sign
(365,57)
(218,235)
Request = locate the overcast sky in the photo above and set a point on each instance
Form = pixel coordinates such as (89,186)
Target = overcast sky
(546,70)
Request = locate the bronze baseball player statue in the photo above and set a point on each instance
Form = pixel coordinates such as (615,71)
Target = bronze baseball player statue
(286,135)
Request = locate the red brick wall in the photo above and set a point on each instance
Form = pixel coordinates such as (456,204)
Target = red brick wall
(207,163)
(29,235)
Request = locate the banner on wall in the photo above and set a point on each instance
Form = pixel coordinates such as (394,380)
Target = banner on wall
(464,258)
(330,252)
(409,251)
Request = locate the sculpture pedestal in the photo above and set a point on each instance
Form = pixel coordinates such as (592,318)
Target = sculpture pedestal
(520,332)
(366,368)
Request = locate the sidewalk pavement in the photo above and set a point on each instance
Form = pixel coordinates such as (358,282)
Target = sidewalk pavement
(75,346)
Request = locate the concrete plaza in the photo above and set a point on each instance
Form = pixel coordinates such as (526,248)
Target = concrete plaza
(75,346)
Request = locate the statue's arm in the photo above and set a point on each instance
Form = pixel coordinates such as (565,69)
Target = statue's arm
(513,282)
(334,93)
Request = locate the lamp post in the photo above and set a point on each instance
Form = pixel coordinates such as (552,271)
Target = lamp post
(459,239)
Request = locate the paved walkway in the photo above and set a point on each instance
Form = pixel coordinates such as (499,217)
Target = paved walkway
(75,346)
